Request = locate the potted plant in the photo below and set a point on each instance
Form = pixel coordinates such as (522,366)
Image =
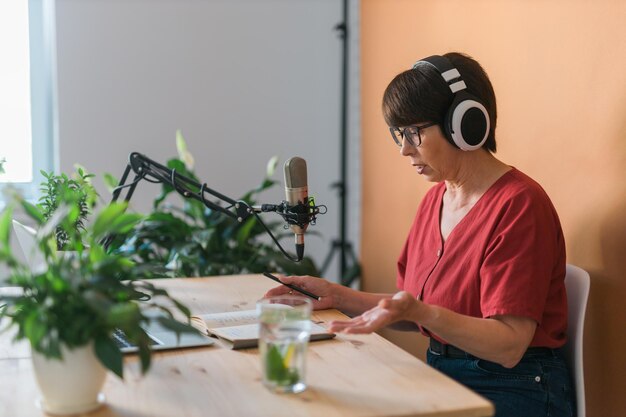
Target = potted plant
(197,241)
(69,309)
(2,162)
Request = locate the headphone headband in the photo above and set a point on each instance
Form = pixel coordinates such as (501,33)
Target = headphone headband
(448,72)
(466,124)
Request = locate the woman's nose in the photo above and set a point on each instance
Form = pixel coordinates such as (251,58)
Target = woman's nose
(406,149)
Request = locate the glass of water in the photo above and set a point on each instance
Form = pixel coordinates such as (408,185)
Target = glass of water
(285,327)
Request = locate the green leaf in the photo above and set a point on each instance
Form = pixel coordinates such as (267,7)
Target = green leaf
(33,212)
(124,314)
(271,166)
(175,325)
(55,221)
(181,307)
(73,214)
(5,226)
(110,181)
(144,357)
(34,328)
(124,223)
(243,234)
(275,368)
(183,154)
(109,355)
(179,166)
(97,254)
(106,217)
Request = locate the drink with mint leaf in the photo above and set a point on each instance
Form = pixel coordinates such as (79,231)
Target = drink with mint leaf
(285,327)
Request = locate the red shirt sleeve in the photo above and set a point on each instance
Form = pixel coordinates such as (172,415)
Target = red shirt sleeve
(518,265)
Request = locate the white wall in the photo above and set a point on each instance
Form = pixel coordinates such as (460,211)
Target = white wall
(243,80)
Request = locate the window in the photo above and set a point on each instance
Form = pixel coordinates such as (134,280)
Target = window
(27,105)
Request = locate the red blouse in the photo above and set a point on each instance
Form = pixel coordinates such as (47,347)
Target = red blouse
(505,257)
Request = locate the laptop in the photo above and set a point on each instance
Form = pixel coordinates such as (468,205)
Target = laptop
(162,337)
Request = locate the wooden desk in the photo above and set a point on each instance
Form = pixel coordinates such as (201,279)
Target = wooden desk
(351,375)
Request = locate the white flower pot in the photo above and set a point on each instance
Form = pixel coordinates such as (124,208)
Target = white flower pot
(71,385)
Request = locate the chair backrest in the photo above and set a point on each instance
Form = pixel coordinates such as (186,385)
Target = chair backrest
(577,284)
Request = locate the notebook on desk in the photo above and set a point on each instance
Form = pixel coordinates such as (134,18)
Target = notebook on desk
(162,337)
(240,329)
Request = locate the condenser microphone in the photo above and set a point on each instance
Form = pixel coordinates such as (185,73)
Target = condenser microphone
(297,193)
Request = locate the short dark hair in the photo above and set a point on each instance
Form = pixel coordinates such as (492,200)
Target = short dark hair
(421,95)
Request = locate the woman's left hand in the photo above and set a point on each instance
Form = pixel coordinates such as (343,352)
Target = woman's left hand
(388,311)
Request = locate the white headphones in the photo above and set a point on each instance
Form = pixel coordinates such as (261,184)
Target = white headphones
(466,123)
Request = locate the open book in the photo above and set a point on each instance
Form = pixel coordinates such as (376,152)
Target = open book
(241,328)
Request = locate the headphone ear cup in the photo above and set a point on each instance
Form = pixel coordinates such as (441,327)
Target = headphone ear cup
(467,122)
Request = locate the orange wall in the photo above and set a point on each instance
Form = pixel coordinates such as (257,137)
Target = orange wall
(559,71)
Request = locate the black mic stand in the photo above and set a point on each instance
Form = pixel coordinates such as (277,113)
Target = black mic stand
(349,267)
(146,169)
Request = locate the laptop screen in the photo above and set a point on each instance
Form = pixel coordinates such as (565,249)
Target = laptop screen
(27,242)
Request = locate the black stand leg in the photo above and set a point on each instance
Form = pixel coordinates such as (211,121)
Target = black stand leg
(349,268)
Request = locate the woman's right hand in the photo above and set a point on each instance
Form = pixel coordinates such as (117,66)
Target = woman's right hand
(318,286)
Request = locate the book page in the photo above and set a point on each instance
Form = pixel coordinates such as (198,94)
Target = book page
(229,318)
(234,333)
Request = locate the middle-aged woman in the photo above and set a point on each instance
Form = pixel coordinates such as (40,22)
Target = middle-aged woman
(482,270)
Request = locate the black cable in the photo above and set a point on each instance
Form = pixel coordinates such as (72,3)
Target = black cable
(269,232)
(132,184)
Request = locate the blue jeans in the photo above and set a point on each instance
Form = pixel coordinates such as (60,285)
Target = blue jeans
(538,386)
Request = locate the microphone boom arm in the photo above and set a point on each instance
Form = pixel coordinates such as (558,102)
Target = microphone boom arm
(147,169)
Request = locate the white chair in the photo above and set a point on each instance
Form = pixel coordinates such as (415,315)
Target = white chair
(577,286)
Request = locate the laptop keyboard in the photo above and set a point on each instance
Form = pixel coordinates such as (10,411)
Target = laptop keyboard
(120,339)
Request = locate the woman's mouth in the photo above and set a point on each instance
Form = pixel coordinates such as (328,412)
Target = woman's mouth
(419,168)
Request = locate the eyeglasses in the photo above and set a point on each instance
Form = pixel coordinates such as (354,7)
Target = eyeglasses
(410,133)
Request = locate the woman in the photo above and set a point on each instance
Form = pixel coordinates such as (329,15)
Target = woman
(482,270)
